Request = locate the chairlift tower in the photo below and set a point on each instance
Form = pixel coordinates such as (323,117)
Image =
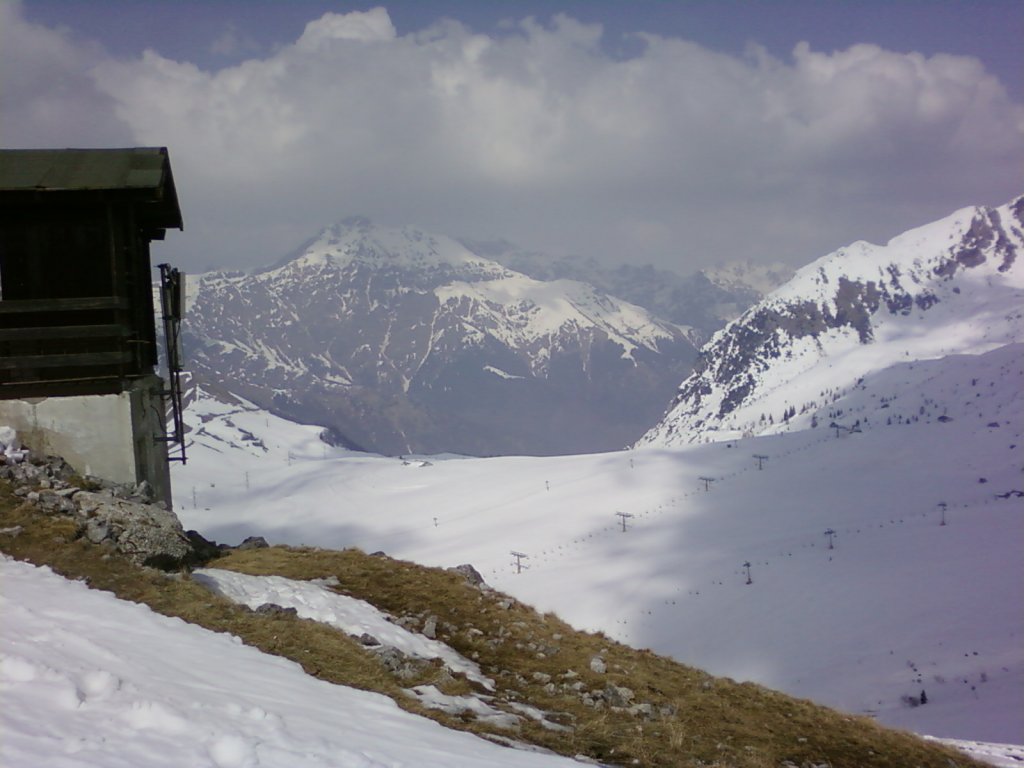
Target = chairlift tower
(518,563)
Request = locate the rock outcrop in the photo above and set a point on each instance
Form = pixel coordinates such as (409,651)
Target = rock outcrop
(122,517)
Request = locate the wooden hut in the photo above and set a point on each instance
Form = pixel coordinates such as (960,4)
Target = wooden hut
(78,341)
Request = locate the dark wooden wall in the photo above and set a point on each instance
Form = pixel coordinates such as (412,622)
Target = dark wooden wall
(76,304)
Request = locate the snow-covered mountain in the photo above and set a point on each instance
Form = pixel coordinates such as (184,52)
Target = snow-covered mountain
(955,286)
(403,341)
(703,301)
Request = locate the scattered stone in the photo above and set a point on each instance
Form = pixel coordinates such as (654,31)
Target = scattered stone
(270,609)
(400,665)
(51,501)
(618,696)
(13,531)
(407,622)
(597,666)
(368,640)
(541,677)
(645,710)
(430,627)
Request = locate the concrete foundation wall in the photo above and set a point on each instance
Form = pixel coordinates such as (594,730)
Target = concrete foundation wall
(114,437)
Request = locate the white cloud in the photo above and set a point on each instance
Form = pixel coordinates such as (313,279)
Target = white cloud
(374,25)
(537,134)
(47,96)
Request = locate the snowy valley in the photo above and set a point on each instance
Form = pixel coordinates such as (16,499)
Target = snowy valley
(902,603)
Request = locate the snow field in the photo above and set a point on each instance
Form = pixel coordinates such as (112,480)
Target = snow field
(901,604)
(90,681)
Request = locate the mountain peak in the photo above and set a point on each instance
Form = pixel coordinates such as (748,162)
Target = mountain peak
(357,240)
(406,341)
(950,287)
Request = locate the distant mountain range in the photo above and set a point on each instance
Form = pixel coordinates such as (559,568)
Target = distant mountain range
(955,286)
(402,341)
(702,301)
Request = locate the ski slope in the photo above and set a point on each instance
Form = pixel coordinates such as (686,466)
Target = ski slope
(902,603)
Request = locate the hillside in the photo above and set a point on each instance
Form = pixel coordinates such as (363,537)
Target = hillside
(91,679)
(402,341)
(901,604)
(955,286)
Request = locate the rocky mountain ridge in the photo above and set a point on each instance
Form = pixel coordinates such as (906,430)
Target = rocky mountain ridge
(954,286)
(703,301)
(401,341)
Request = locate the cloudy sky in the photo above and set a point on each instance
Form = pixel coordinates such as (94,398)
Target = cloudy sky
(650,131)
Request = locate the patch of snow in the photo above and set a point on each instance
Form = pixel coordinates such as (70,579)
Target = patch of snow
(319,603)
(91,681)
(501,374)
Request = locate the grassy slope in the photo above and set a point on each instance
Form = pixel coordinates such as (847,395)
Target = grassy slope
(712,721)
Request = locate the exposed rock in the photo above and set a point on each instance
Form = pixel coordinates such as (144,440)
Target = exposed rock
(253,542)
(53,501)
(597,666)
(618,696)
(145,533)
(400,665)
(849,295)
(97,531)
(204,549)
(270,609)
(430,627)
(115,515)
(471,574)
(644,710)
